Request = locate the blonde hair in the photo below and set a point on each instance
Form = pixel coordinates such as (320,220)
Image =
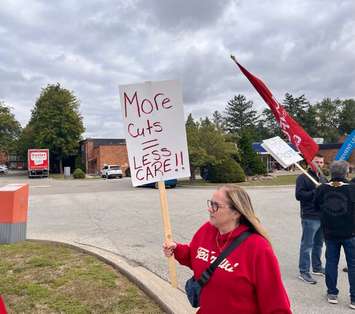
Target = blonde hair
(241,202)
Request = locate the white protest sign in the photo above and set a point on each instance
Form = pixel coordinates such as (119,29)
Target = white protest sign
(154,124)
(281,151)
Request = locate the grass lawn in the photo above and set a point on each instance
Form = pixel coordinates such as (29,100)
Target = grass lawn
(44,278)
(280,180)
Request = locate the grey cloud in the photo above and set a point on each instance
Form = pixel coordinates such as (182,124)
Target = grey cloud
(174,15)
(91,47)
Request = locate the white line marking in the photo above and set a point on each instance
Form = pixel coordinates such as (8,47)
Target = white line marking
(40,186)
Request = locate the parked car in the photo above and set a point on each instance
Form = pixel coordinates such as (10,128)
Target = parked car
(111,171)
(3,169)
(168,184)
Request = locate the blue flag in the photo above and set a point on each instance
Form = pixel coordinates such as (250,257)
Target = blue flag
(346,149)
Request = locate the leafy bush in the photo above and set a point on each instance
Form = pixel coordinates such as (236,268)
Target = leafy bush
(227,171)
(79,164)
(79,174)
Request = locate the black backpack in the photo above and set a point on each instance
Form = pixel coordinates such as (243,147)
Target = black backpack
(338,210)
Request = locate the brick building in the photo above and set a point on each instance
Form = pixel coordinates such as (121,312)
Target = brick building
(329,152)
(95,153)
(3,158)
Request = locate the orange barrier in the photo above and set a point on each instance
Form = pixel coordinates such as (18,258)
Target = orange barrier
(13,203)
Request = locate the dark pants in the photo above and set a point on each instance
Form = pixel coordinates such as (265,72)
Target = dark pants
(311,245)
(332,255)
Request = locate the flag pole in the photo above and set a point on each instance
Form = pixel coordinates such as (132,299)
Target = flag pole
(306,145)
(167,230)
(307,174)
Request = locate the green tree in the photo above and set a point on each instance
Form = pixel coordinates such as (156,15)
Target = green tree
(296,107)
(56,123)
(250,161)
(207,145)
(328,119)
(197,155)
(215,143)
(267,125)
(347,116)
(10,129)
(239,115)
(25,141)
(217,119)
(310,121)
(300,109)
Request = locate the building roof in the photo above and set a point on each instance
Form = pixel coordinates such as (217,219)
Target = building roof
(330,146)
(260,150)
(105,141)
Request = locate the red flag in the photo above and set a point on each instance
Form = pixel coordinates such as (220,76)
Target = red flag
(294,132)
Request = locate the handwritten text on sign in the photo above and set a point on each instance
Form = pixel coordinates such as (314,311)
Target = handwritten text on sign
(281,151)
(155,131)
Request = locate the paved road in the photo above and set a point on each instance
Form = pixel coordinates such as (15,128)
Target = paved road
(112,215)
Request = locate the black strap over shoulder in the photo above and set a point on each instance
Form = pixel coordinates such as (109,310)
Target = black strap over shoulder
(205,276)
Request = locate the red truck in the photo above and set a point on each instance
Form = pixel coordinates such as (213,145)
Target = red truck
(38,163)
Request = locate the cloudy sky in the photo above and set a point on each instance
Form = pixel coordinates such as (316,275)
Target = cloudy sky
(93,46)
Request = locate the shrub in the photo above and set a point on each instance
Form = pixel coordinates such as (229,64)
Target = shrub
(79,174)
(227,171)
(79,164)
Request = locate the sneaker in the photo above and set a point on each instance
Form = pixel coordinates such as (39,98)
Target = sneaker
(306,277)
(332,298)
(352,305)
(320,272)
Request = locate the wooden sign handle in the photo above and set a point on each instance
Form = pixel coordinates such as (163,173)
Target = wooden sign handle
(307,174)
(167,230)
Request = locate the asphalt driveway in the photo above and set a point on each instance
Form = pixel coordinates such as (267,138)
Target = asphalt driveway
(113,215)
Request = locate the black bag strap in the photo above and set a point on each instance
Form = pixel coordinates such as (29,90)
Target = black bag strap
(205,276)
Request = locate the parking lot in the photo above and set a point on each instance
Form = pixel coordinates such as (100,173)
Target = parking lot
(113,215)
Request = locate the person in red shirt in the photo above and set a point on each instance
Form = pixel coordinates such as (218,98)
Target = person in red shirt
(248,280)
(2,306)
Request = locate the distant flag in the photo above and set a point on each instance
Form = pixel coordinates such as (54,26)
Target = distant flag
(294,132)
(347,148)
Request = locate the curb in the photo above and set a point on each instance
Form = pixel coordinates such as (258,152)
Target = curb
(212,187)
(170,300)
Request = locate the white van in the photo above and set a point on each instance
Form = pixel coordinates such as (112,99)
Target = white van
(111,171)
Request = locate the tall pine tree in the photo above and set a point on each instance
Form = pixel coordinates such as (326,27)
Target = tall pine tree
(239,115)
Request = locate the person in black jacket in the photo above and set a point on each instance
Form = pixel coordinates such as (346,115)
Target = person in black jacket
(335,202)
(312,235)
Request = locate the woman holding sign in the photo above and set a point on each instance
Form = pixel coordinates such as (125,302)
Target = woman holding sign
(246,278)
